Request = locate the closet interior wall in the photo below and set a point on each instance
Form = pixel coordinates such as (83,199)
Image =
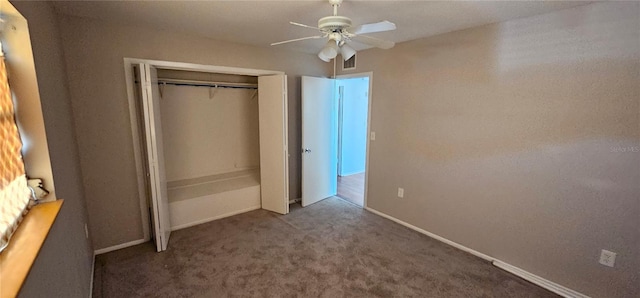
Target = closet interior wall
(208,131)
(211,146)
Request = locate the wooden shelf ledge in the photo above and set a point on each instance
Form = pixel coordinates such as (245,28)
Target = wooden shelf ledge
(17,258)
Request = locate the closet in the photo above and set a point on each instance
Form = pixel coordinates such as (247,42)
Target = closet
(215,144)
(211,144)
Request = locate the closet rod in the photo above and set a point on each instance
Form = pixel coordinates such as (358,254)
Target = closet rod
(179,82)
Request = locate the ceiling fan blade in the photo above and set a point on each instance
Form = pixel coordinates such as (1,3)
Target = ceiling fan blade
(373,27)
(297,39)
(303,25)
(372,41)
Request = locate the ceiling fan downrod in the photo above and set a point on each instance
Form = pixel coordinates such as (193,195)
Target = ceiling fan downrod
(335,4)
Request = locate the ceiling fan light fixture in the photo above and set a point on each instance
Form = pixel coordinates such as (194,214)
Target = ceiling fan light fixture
(329,51)
(347,52)
(323,57)
(339,29)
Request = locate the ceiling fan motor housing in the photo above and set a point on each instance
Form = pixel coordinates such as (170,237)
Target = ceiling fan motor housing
(334,29)
(334,23)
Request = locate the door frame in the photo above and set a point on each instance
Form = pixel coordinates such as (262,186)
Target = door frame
(369,75)
(136,122)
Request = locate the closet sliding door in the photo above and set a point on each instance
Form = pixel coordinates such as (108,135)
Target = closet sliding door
(274,156)
(150,94)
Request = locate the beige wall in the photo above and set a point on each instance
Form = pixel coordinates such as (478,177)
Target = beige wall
(94,53)
(63,266)
(206,135)
(520,140)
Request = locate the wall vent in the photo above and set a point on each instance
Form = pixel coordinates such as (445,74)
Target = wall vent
(350,63)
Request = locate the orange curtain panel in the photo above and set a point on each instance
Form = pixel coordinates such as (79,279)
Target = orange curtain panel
(14,193)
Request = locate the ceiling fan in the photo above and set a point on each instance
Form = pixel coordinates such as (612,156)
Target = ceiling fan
(338,30)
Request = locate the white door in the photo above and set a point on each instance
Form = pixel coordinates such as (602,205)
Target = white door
(274,153)
(319,140)
(155,155)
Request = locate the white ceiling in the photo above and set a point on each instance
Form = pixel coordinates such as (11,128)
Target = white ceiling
(261,22)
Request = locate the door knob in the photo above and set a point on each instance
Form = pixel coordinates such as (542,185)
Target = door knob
(306,150)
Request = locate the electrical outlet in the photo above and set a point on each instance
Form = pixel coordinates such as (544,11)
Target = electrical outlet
(373,135)
(86,231)
(400,192)
(607,258)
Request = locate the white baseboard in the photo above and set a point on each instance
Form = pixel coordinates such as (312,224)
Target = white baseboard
(544,283)
(547,284)
(119,246)
(432,235)
(93,268)
(195,223)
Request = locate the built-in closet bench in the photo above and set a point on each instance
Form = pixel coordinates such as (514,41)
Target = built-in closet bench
(199,200)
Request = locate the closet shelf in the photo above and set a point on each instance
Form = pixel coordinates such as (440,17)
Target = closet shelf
(197,83)
(198,187)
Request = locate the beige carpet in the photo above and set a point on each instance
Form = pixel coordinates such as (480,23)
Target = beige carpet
(329,249)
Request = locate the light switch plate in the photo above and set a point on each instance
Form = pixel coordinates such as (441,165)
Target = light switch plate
(373,135)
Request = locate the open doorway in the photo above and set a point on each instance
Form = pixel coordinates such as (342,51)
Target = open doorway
(327,104)
(353,116)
